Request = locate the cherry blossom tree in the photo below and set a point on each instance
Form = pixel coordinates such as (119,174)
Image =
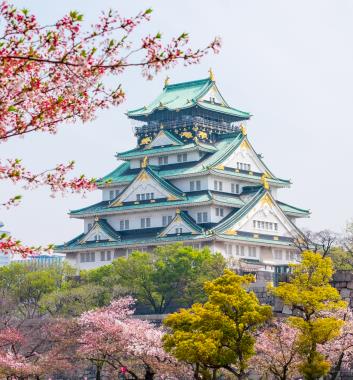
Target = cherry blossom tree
(340,350)
(35,349)
(277,352)
(111,339)
(51,74)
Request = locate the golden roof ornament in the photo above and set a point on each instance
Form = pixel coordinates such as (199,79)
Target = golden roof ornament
(265,184)
(144,162)
(177,211)
(96,218)
(243,129)
(210,71)
(166,81)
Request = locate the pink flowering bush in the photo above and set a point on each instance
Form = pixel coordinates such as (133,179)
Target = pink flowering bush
(111,339)
(276,352)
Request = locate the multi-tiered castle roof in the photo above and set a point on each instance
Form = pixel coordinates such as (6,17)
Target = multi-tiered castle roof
(193,177)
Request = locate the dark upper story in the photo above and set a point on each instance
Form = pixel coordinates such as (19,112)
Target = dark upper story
(188,107)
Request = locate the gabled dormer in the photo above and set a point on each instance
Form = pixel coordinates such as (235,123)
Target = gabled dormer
(101,230)
(260,215)
(148,186)
(181,224)
(164,138)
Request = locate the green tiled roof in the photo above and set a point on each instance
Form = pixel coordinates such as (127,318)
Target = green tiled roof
(75,245)
(224,147)
(102,208)
(108,229)
(190,221)
(255,240)
(140,152)
(292,210)
(185,95)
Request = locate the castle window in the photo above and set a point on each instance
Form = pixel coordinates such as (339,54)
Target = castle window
(166,219)
(145,222)
(163,160)
(106,255)
(182,157)
(179,230)
(266,226)
(144,197)
(111,194)
(219,211)
(234,188)
(243,166)
(218,185)
(87,257)
(117,192)
(291,256)
(229,250)
(252,251)
(239,250)
(277,253)
(89,226)
(202,217)
(195,185)
(124,225)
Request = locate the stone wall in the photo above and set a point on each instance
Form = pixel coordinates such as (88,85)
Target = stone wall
(343,282)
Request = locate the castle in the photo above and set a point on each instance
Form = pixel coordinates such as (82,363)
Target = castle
(193,177)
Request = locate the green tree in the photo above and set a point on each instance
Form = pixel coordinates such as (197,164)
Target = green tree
(73,301)
(310,294)
(170,274)
(218,334)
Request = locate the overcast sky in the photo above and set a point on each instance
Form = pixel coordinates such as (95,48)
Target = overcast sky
(289,63)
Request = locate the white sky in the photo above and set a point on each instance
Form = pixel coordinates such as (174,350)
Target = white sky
(289,63)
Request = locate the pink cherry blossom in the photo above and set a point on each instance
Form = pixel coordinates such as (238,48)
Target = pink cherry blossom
(54,74)
(276,351)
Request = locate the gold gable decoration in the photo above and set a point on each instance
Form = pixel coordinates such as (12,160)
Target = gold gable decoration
(211,74)
(264,181)
(202,135)
(144,162)
(187,135)
(243,130)
(145,141)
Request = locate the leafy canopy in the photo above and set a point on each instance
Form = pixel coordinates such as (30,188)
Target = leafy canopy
(219,333)
(172,274)
(310,294)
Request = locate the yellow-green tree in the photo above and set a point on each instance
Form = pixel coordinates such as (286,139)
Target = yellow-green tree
(219,333)
(310,295)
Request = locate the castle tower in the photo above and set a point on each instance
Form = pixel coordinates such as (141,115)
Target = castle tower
(193,177)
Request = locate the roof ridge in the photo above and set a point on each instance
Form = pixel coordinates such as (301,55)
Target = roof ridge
(107,228)
(164,182)
(187,83)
